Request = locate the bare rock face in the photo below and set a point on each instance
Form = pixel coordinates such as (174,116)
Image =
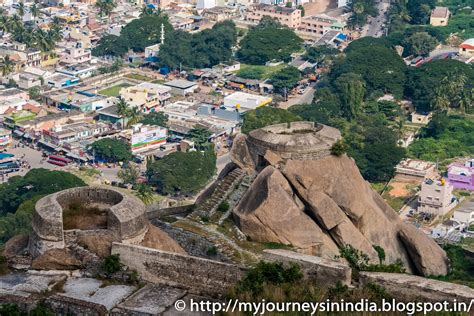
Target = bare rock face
(240,153)
(98,244)
(428,257)
(269,212)
(327,202)
(158,239)
(56,259)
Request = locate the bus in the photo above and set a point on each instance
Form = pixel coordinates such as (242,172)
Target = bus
(59,161)
(9,165)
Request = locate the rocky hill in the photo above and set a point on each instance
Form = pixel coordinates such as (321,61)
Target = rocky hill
(318,206)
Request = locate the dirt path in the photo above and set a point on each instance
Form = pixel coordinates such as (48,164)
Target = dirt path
(319,7)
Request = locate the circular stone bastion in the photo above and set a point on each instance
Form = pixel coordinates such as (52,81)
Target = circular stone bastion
(124,216)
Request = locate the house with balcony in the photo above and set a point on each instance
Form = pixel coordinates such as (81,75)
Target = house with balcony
(290,17)
(436,197)
(75,54)
(146,96)
(320,24)
(461,176)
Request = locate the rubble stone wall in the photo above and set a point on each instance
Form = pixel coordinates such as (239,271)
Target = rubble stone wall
(198,275)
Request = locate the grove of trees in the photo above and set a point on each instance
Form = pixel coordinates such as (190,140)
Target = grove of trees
(268,41)
(203,49)
(264,116)
(111,150)
(18,197)
(136,35)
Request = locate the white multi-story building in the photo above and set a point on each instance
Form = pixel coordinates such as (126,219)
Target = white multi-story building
(436,197)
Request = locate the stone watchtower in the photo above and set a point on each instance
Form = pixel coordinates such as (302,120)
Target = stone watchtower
(125,216)
(281,142)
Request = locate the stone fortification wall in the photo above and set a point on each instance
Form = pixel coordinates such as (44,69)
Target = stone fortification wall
(198,275)
(324,272)
(414,288)
(126,216)
(296,140)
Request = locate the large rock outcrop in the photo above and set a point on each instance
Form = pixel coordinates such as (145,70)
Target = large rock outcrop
(327,203)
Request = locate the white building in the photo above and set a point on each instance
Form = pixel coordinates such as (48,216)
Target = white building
(436,197)
(245,101)
(465,214)
(205,4)
(181,87)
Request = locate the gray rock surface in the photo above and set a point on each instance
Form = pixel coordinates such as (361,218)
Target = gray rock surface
(319,205)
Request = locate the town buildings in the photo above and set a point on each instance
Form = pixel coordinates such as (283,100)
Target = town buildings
(440,16)
(461,176)
(290,17)
(146,96)
(415,169)
(467,48)
(436,197)
(243,102)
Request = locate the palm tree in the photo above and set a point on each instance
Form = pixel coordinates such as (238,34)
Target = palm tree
(122,110)
(441,101)
(133,115)
(7,65)
(35,12)
(4,23)
(15,22)
(144,193)
(21,8)
(44,40)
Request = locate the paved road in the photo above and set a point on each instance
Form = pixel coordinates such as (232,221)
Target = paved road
(375,26)
(34,159)
(304,98)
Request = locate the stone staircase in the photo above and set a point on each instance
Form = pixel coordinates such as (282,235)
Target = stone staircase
(223,188)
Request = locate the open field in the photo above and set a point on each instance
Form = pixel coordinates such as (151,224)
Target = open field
(113,91)
(261,71)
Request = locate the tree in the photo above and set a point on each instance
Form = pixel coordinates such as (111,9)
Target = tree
(264,116)
(351,89)
(7,65)
(129,173)
(35,182)
(338,148)
(105,6)
(155,118)
(285,79)
(361,9)
(136,35)
(325,107)
(34,93)
(423,82)
(320,53)
(144,193)
(123,109)
(21,9)
(301,8)
(267,41)
(420,44)
(34,10)
(182,173)
(111,150)
(199,50)
(200,136)
(381,68)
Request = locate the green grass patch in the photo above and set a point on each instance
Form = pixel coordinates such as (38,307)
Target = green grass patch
(114,91)
(138,77)
(158,81)
(258,71)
